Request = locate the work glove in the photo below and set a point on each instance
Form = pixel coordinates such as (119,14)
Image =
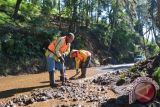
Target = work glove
(61,59)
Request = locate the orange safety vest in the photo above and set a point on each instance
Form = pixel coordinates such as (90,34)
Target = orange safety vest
(82,57)
(54,43)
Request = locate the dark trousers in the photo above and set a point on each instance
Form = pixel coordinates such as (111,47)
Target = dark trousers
(84,66)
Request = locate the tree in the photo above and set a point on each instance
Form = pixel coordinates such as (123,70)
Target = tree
(74,4)
(158,14)
(113,20)
(59,10)
(17,9)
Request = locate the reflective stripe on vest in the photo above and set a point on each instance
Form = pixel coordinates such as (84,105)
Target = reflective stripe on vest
(83,54)
(88,53)
(52,46)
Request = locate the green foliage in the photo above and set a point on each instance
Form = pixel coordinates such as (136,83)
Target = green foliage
(110,23)
(156,76)
(7,4)
(152,49)
(22,49)
(46,7)
(122,50)
(4,19)
(101,33)
(78,43)
(29,10)
(6,7)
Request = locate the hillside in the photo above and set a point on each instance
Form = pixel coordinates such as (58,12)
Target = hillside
(123,37)
(27,27)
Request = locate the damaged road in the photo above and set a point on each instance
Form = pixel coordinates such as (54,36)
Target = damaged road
(106,87)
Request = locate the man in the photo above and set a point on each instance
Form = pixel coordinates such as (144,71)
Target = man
(82,59)
(55,54)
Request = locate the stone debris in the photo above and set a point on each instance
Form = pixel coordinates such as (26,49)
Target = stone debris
(92,90)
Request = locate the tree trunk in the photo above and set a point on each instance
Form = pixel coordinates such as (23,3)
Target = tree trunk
(91,12)
(17,9)
(87,20)
(75,15)
(113,26)
(145,51)
(97,11)
(72,26)
(59,9)
(158,14)
(128,11)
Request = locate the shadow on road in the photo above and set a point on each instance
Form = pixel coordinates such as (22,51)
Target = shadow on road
(44,82)
(12,92)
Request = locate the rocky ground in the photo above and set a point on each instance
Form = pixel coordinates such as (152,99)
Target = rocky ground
(90,92)
(70,92)
(120,83)
(32,90)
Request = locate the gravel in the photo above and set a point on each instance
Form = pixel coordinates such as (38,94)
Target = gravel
(89,91)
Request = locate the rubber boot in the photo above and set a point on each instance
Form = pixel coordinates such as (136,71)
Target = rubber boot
(62,77)
(83,73)
(52,80)
(65,78)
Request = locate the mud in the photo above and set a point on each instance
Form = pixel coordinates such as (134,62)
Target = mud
(107,90)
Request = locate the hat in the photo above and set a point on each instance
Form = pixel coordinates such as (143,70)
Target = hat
(71,34)
(73,51)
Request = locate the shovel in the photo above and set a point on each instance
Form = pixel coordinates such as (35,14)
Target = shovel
(63,75)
